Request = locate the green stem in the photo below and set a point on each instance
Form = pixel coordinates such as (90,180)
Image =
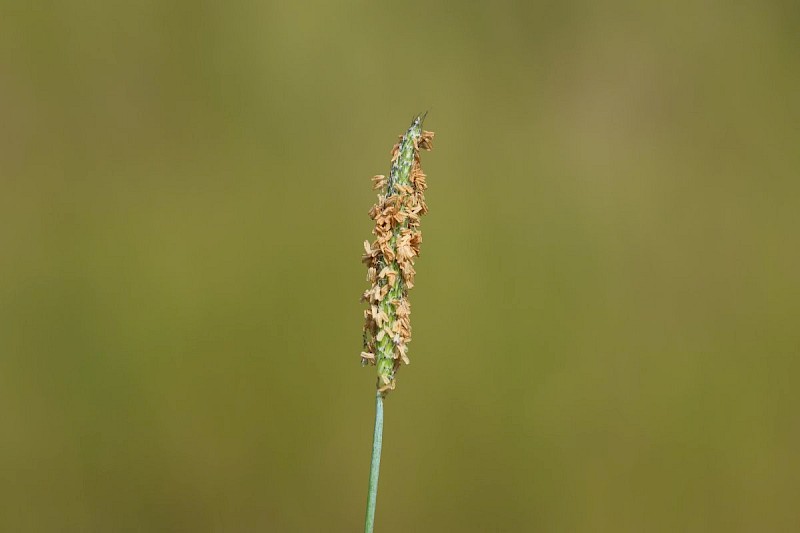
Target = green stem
(375,466)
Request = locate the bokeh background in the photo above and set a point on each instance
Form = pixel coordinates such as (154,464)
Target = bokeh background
(606,314)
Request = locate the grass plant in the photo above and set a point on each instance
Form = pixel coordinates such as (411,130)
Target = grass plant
(390,271)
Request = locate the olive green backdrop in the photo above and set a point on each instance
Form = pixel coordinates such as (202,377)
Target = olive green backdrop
(606,313)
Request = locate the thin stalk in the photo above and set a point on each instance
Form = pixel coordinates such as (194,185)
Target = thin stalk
(375,466)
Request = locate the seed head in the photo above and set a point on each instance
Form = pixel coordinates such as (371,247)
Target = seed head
(390,257)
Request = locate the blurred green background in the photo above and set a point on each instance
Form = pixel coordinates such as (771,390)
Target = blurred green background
(606,314)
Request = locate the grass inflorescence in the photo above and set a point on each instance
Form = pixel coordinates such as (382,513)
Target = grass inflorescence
(390,257)
(390,271)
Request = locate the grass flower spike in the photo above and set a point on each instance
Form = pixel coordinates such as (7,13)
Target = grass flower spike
(390,257)
(390,271)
